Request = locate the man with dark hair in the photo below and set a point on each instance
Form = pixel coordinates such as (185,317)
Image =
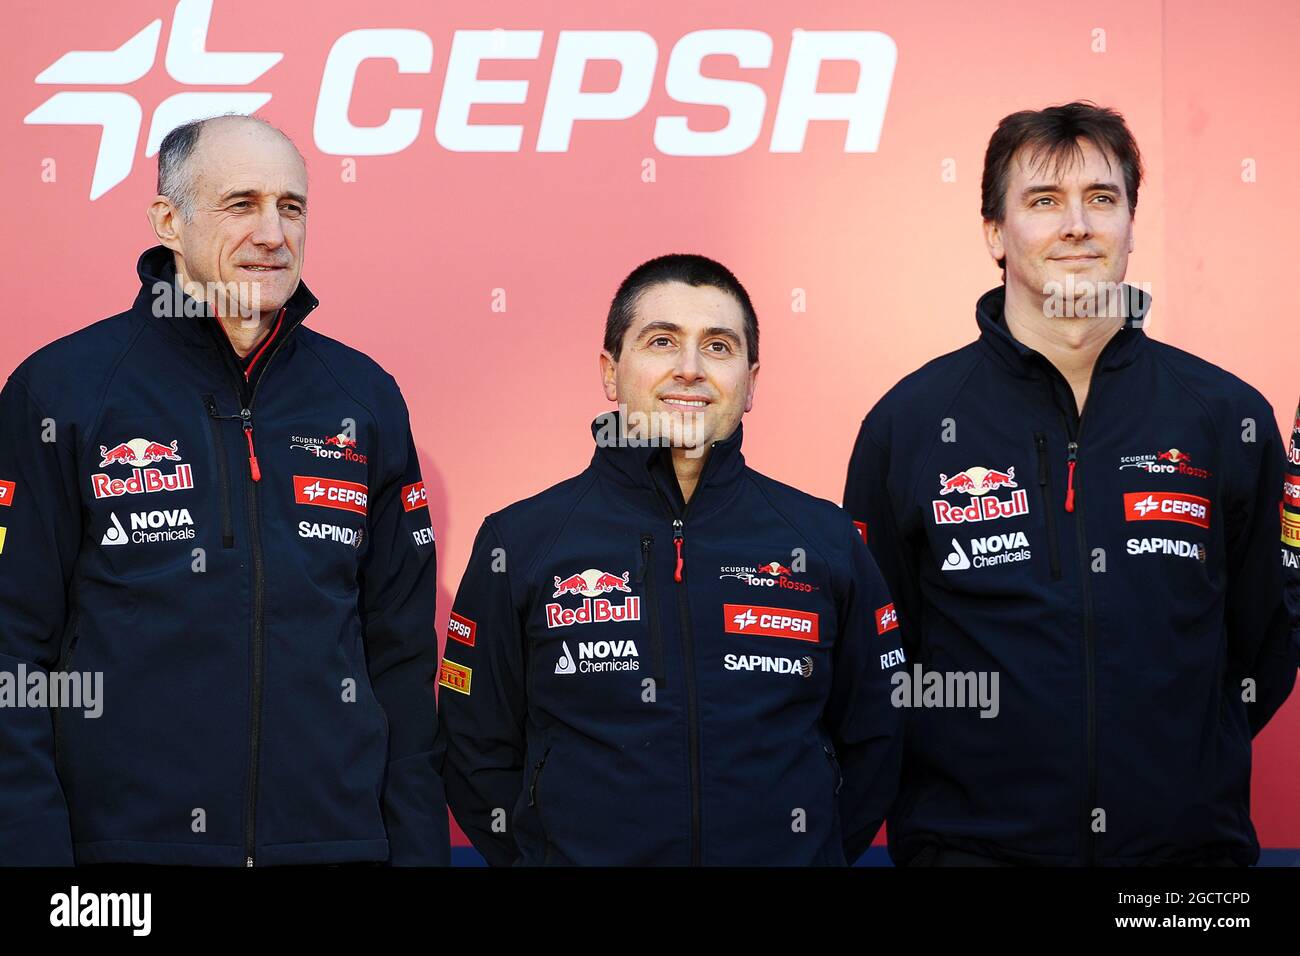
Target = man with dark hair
(217,512)
(1086,519)
(670,658)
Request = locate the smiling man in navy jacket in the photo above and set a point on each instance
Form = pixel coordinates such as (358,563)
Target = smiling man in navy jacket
(669,658)
(1091,516)
(218,511)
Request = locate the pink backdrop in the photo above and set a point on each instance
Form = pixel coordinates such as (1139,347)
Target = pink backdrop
(862,264)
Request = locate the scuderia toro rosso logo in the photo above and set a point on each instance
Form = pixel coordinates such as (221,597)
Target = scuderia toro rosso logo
(978,482)
(140,454)
(592,584)
(1171,462)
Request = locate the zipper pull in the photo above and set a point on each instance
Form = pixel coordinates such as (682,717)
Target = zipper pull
(678,539)
(646,541)
(1071,461)
(253,468)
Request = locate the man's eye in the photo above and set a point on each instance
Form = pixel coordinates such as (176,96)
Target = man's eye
(292,210)
(1042,199)
(658,339)
(243,202)
(721,346)
(1109,199)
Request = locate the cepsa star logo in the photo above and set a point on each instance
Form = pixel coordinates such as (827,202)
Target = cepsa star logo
(330,493)
(119,114)
(796,99)
(978,482)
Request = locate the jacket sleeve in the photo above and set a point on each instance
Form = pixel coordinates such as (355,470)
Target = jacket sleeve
(398,599)
(1259,632)
(865,727)
(1291,535)
(482,702)
(40,534)
(867,500)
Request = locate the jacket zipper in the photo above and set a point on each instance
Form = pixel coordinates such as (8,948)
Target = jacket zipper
(533,800)
(64,663)
(1053,541)
(647,575)
(692,709)
(1074,504)
(835,768)
(246,399)
(688,655)
(223,472)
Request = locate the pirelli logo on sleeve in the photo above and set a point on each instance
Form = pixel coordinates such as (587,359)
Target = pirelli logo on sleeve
(455,676)
(1291,529)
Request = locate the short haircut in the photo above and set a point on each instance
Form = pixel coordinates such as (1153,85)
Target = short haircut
(1052,136)
(693,270)
(175,177)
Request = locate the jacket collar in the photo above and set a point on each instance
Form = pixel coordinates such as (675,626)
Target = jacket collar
(162,301)
(639,464)
(1018,358)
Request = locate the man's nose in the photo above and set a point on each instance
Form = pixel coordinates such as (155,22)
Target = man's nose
(270,230)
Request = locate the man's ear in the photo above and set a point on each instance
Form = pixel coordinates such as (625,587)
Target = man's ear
(165,219)
(609,375)
(993,239)
(753,384)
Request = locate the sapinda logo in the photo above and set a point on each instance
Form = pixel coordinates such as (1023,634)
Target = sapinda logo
(565,102)
(187,61)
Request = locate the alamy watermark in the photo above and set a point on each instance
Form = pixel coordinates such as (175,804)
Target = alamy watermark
(72,690)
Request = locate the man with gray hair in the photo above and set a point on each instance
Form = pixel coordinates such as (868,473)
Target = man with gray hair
(219,512)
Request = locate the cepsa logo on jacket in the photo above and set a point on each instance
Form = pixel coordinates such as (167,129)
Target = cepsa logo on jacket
(139,454)
(330,493)
(461,628)
(770,621)
(7,489)
(978,482)
(886,619)
(414,496)
(1167,506)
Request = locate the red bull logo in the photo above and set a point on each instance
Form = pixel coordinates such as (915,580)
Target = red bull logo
(775,569)
(593,611)
(977,481)
(341,441)
(591,583)
(142,481)
(1173,455)
(138,453)
(981,509)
